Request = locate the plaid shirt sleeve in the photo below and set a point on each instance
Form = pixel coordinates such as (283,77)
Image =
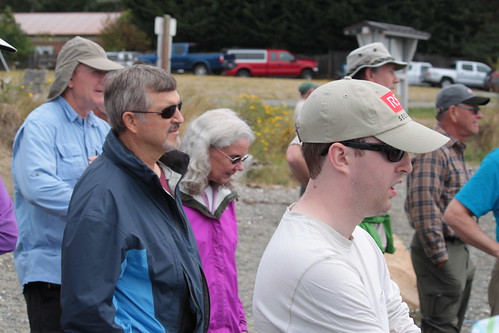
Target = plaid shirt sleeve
(424,205)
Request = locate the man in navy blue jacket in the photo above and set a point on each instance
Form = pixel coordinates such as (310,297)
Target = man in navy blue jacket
(129,258)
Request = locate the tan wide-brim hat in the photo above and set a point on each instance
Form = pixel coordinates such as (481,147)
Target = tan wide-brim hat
(371,55)
(76,51)
(350,109)
(4,46)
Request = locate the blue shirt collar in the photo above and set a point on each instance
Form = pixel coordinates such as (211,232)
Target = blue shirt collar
(72,115)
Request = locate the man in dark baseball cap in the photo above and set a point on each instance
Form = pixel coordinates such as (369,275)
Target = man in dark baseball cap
(51,150)
(456,94)
(440,258)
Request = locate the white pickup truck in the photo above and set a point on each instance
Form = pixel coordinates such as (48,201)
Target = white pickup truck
(469,73)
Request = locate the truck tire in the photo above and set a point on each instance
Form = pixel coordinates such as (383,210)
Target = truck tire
(200,69)
(243,73)
(307,74)
(445,82)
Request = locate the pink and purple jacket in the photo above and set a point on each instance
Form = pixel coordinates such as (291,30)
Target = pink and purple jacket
(214,222)
(8,224)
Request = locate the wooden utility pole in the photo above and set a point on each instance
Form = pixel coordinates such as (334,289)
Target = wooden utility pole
(165,27)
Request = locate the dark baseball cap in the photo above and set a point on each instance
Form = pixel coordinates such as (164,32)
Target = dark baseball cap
(456,94)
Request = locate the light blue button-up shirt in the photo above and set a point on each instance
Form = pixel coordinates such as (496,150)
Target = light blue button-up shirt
(50,152)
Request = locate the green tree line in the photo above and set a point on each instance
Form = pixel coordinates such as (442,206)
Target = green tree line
(458,29)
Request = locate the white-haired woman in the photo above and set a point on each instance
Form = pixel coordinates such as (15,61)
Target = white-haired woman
(217,142)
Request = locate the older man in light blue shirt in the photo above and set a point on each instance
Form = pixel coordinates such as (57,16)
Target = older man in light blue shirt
(51,150)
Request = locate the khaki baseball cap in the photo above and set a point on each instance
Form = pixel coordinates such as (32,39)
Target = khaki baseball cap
(371,55)
(350,109)
(76,51)
(4,46)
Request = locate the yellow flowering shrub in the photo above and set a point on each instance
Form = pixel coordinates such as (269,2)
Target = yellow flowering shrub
(274,129)
(16,102)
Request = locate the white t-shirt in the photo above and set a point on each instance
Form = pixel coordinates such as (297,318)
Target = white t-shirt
(312,279)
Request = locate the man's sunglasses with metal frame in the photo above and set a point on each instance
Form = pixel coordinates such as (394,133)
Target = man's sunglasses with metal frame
(167,112)
(392,154)
(474,109)
(234,160)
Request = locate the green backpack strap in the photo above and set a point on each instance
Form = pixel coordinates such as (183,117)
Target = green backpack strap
(368,225)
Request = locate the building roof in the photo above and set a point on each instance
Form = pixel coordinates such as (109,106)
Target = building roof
(84,23)
(388,29)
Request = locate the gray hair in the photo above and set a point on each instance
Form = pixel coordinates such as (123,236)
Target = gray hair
(128,89)
(215,128)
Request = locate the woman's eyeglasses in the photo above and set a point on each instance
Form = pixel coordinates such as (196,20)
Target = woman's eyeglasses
(167,112)
(234,160)
(392,154)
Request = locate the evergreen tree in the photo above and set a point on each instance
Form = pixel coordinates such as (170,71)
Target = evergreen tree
(11,32)
(124,35)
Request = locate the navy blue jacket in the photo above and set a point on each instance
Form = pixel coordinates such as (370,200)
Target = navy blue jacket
(129,258)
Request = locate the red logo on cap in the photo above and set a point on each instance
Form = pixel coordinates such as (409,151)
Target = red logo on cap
(392,101)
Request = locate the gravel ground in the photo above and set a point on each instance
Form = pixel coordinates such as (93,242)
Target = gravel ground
(259,211)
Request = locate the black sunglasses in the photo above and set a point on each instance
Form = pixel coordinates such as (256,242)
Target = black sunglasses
(392,154)
(167,112)
(234,160)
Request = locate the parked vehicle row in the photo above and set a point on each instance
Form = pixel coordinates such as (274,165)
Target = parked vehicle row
(232,62)
(281,63)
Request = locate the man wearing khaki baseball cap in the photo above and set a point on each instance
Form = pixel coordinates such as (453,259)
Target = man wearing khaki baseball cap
(51,150)
(321,272)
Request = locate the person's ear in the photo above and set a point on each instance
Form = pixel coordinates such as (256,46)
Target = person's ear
(339,156)
(453,113)
(70,82)
(369,74)
(130,121)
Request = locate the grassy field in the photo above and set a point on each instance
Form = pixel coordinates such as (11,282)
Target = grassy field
(266,103)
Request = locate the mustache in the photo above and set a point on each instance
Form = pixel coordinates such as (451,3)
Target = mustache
(174,127)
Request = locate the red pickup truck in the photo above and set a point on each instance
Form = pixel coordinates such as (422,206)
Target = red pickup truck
(270,62)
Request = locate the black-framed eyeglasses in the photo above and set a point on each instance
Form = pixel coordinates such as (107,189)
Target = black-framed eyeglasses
(234,160)
(474,109)
(167,112)
(392,154)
